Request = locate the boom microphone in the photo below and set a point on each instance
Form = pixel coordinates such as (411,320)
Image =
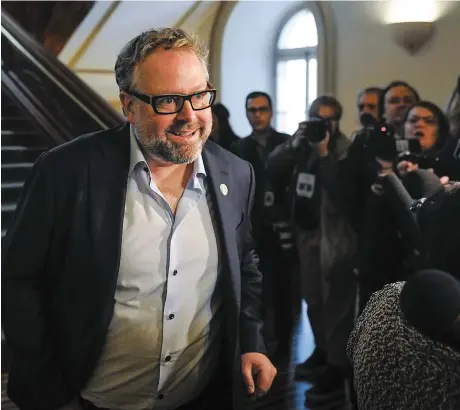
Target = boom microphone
(421,183)
(401,202)
(430,302)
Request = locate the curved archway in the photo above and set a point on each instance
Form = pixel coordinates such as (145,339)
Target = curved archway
(243,51)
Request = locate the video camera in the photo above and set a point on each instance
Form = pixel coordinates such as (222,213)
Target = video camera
(316,129)
(444,162)
(424,161)
(377,138)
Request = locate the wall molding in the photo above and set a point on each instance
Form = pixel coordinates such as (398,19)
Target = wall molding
(92,35)
(187,14)
(217,40)
(101,71)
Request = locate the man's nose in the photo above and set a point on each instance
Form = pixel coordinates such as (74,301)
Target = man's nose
(187,113)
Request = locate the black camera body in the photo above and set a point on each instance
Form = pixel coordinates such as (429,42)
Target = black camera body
(377,138)
(316,129)
(424,161)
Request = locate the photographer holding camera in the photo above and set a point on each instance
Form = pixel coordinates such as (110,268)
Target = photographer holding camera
(302,174)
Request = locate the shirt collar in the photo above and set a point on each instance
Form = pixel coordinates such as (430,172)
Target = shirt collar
(137,157)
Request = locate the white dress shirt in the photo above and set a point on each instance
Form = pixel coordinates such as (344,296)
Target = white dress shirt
(163,341)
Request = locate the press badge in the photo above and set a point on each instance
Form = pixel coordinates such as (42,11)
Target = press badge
(305,185)
(269,198)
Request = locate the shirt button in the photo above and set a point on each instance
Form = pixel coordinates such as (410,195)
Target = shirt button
(161,396)
(175,272)
(167,358)
(171,316)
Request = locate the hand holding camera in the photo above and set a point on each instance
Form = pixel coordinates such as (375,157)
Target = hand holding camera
(316,133)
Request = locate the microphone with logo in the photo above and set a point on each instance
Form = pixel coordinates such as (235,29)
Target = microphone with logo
(430,302)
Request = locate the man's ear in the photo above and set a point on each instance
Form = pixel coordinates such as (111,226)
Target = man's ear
(126,105)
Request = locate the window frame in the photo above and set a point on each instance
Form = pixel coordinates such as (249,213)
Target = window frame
(321,52)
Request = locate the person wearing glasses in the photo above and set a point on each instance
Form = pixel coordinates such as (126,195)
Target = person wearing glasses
(255,149)
(427,125)
(129,279)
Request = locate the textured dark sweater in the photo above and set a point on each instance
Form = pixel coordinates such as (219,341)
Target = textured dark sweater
(395,366)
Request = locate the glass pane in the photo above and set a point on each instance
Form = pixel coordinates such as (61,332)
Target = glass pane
(312,80)
(300,31)
(291,96)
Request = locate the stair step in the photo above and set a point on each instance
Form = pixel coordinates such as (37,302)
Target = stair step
(14,132)
(11,191)
(12,185)
(20,153)
(15,123)
(9,109)
(9,207)
(25,137)
(16,171)
(8,211)
(18,165)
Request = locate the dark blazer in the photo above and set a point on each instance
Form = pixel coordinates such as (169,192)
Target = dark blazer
(61,257)
(246,148)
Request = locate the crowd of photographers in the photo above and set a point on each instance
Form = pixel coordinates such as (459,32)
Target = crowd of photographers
(327,222)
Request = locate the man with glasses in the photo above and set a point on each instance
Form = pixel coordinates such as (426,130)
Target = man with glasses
(258,145)
(129,277)
(255,149)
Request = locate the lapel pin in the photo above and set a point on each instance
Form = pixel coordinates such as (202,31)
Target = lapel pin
(223,189)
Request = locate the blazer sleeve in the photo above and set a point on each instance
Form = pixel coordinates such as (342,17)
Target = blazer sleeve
(251,322)
(34,377)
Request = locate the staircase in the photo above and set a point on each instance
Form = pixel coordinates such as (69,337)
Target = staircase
(21,146)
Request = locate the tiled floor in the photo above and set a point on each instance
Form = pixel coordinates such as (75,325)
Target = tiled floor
(285,393)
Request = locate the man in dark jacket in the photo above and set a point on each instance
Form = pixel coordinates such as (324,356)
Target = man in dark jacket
(255,149)
(129,279)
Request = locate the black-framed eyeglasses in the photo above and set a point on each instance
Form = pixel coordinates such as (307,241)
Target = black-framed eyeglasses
(172,103)
(262,110)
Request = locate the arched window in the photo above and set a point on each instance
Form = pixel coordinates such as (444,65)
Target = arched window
(296,70)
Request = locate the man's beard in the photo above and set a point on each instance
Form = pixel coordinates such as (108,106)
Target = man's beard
(167,150)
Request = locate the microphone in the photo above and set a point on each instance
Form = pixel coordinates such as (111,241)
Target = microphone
(421,183)
(402,205)
(401,202)
(430,302)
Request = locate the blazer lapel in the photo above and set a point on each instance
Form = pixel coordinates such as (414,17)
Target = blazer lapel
(218,171)
(108,175)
